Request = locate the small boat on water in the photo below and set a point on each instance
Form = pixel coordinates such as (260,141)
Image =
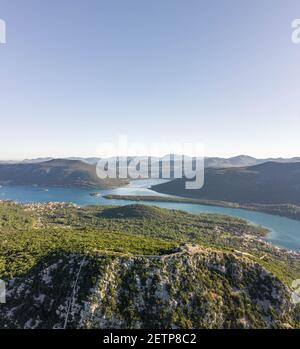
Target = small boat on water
(43,189)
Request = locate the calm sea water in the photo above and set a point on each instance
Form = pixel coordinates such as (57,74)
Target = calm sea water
(284,232)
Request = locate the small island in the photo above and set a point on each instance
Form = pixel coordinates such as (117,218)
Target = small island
(95,195)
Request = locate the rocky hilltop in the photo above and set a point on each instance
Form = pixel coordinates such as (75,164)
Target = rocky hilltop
(140,267)
(193,288)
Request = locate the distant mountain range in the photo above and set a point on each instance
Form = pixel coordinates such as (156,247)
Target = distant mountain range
(243,160)
(266,183)
(215,162)
(59,172)
(233,179)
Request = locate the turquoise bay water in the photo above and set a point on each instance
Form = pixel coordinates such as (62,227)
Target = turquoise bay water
(285,232)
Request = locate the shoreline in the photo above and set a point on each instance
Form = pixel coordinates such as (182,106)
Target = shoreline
(285,210)
(261,238)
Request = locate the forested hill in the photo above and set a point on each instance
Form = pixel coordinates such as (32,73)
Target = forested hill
(55,173)
(268,183)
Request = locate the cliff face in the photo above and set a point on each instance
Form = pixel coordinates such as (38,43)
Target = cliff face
(194,288)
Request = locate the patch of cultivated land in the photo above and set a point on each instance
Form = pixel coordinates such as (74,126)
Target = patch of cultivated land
(140,267)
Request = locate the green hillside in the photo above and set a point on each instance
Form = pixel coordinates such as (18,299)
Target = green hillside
(58,172)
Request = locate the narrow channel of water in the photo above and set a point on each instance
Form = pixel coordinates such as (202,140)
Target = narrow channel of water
(285,232)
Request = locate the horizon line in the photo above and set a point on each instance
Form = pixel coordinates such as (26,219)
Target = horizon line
(157,156)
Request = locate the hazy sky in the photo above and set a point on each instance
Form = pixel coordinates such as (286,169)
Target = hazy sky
(76,73)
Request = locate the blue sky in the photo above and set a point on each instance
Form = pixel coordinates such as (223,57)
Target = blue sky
(74,74)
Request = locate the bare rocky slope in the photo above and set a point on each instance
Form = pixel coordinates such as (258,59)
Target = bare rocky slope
(194,288)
